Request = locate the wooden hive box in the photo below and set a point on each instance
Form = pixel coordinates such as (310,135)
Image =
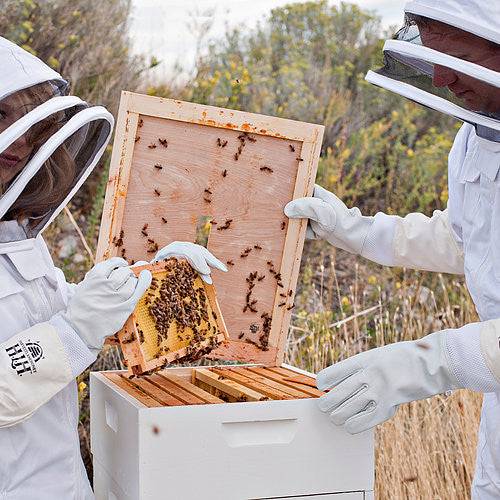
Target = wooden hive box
(248,431)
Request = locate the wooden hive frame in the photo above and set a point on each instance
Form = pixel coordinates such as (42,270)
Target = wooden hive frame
(248,166)
(144,348)
(216,385)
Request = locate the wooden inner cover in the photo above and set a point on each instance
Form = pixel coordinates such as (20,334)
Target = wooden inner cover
(174,162)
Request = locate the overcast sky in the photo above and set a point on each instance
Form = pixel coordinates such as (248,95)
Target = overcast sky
(159,27)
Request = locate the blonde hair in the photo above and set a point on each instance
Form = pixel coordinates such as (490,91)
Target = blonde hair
(50,185)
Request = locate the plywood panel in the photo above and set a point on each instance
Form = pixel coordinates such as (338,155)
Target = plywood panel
(182,161)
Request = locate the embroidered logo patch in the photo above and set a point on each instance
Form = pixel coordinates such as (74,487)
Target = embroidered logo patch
(24,356)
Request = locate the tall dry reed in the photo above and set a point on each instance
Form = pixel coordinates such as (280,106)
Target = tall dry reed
(345,306)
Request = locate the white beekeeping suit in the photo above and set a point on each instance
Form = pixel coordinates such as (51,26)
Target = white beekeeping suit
(51,331)
(49,143)
(447,58)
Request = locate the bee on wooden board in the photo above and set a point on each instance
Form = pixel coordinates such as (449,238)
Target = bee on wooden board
(158,166)
(152,146)
(137,138)
(164,220)
(229,262)
(292,148)
(157,193)
(224,173)
(163,142)
(266,169)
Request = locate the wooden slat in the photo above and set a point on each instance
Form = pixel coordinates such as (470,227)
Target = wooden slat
(270,372)
(308,383)
(189,387)
(155,392)
(166,385)
(241,378)
(230,387)
(129,388)
(261,377)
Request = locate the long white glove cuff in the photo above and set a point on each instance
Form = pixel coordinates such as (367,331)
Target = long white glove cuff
(379,241)
(469,361)
(34,367)
(351,230)
(80,356)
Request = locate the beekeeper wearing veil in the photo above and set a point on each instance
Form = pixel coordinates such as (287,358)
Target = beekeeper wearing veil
(446,57)
(51,331)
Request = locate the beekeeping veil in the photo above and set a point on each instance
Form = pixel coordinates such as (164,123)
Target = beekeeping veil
(49,144)
(422,51)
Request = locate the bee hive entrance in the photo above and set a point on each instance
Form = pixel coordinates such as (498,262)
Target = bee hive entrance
(217,385)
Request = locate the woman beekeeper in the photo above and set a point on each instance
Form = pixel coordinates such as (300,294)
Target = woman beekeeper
(51,331)
(447,57)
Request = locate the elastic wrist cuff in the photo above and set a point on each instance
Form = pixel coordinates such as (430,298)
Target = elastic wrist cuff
(490,346)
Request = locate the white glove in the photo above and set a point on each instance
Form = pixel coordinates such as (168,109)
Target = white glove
(331,220)
(104,300)
(368,388)
(199,258)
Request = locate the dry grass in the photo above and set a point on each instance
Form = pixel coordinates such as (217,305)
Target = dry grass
(427,450)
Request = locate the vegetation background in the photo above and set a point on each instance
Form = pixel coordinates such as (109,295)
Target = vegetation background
(305,61)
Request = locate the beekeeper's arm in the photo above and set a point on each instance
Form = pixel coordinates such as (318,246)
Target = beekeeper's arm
(414,241)
(367,389)
(37,363)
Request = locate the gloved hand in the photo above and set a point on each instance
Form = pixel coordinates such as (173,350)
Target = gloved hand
(104,300)
(368,388)
(331,220)
(199,258)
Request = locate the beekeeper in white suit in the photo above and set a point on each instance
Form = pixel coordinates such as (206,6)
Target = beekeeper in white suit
(447,57)
(51,331)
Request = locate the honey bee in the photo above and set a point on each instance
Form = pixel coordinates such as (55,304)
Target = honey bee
(230,263)
(300,159)
(137,138)
(163,142)
(158,166)
(292,148)
(157,193)
(141,123)
(283,224)
(164,220)
(224,173)
(266,169)
(152,146)
(257,247)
